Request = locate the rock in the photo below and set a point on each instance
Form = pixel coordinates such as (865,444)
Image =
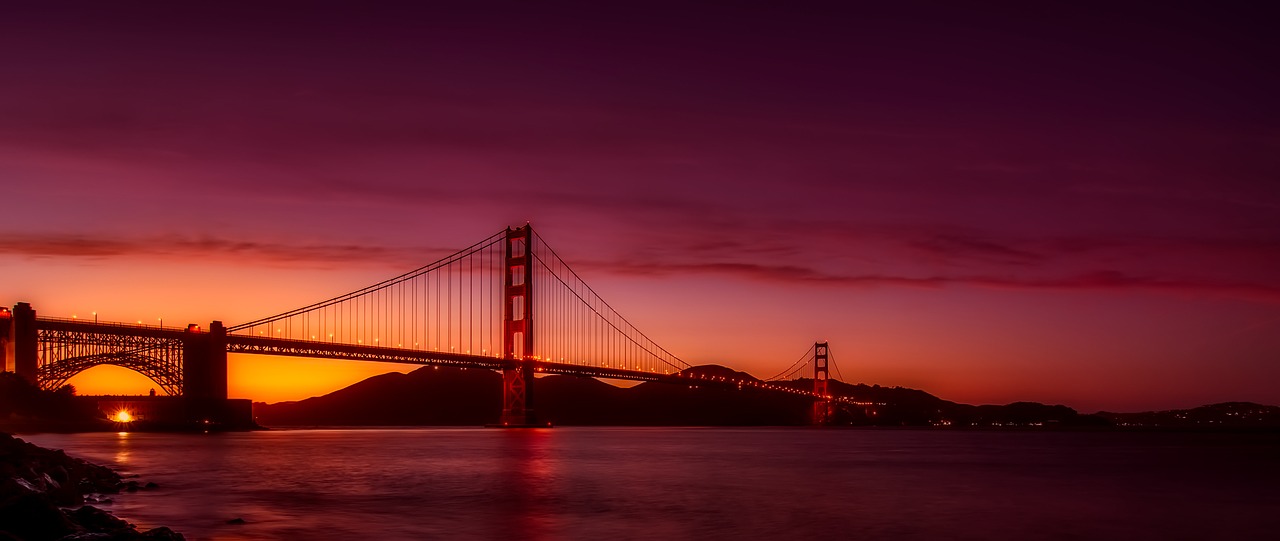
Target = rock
(62,494)
(98,536)
(33,517)
(236,520)
(10,487)
(163,534)
(97,520)
(35,481)
(150,485)
(60,474)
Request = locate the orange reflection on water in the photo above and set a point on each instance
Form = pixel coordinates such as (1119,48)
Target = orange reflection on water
(122,448)
(531,474)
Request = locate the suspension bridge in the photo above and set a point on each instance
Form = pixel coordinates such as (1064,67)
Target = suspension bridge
(507,303)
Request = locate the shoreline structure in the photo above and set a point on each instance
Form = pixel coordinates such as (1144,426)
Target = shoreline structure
(44,496)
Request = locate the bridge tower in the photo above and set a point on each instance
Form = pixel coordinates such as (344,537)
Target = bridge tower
(204,372)
(6,337)
(517,329)
(204,362)
(26,342)
(821,405)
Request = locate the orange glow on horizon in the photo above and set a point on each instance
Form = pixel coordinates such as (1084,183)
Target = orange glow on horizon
(276,379)
(112,380)
(1023,345)
(256,377)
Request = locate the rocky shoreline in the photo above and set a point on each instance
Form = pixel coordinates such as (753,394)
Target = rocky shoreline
(43,496)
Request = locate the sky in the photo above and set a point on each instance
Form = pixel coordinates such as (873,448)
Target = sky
(1063,202)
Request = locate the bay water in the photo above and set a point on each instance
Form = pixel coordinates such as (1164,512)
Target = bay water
(694,483)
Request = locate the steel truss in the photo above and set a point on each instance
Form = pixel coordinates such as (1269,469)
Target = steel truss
(330,350)
(63,353)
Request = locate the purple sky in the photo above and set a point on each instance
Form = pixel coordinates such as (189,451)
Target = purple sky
(1064,202)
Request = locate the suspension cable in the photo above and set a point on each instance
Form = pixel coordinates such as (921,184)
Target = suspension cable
(597,296)
(833,363)
(487,242)
(789,370)
(601,299)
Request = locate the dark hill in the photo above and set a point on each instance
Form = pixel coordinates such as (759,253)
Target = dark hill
(1224,415)
(426,396)
(715,370)
(453,396)
(901,406)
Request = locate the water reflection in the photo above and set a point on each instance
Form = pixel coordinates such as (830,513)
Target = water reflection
(528,480)
(675,484)
(122,448)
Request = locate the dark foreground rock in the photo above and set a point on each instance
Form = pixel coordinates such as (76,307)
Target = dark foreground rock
(38,488)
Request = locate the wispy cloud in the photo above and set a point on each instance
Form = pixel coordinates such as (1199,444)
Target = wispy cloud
(84,246)
(956,246)
(968,260)
(1101,280)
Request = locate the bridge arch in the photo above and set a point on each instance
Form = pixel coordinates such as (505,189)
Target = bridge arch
(167,375)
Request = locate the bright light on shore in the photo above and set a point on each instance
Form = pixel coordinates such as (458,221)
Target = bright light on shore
(123,416)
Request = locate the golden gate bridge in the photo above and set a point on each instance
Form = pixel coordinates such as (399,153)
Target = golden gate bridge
(507,303)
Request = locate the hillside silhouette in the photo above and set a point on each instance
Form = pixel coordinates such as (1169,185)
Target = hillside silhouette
(1222,415)
(458,396)
(25,407)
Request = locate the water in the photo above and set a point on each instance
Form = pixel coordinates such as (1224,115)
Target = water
(673,484)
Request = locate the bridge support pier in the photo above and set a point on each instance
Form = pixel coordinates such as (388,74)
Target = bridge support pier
(26,342)
(204,373)
(6,338)
(517,409)
(517,330)
(821,405)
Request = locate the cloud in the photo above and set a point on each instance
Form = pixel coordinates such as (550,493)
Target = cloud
(953,246)
(84,246)
(1008,265)
(1101,280)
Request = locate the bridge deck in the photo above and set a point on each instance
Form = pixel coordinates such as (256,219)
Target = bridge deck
(331,350)
(113,328)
